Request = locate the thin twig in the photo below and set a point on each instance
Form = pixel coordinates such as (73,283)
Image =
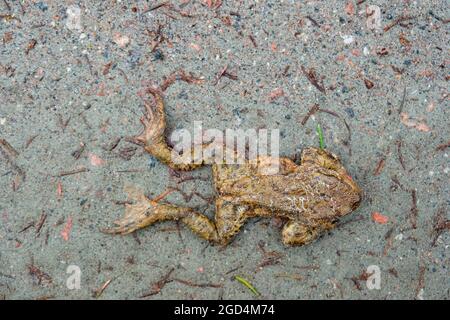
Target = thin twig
(9,153)
(402,104)
(199,285)
(420,281)
(400,155)
(71,172)
(396,22)
(113,144)
(311,112)
(42,277)
(312,78)
(414,211)
(379,166)
(314,22)
(8,148)
(129,171)
(98,292)
(159,285)
(7,5)
(220,74)
(443,146)
(40,223)
(252,39)
(30,140)
(440,224)
(157,6)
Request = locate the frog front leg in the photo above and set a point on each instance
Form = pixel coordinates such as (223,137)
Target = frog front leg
(296,233)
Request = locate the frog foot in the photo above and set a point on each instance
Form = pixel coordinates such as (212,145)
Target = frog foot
(144,212)
(139,214)
(152,137)
(153,120)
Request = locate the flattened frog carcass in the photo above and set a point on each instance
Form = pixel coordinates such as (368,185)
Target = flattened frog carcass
(312,196)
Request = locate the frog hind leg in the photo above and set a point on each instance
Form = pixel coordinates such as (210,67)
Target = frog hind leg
(139,216)
(144,212)
(296,233)
(152,137)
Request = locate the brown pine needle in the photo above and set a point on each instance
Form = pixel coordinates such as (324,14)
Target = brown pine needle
(98,292)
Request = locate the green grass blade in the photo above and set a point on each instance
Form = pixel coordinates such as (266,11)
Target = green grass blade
(319,131)
(248,285)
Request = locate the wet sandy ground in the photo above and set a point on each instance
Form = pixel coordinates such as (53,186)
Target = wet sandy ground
(69,98)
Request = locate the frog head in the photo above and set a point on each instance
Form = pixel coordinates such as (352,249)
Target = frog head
(339,186)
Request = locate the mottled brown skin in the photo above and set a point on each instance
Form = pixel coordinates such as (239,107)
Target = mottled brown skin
(312,196)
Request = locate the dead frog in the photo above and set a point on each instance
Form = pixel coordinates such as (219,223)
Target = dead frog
(312,196)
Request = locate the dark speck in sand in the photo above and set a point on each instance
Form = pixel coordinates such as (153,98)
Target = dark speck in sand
(183,95)
(350,112)
(151,162)
(42,6)
(133,58)
(158,55)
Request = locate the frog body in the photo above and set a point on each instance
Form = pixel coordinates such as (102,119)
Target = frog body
(311,196)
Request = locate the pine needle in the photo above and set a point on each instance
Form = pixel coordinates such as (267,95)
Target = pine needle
(248,285)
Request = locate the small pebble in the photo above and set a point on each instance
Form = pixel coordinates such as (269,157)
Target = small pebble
(420,294)
(348,39)
(121,40)
(399,237)
(73,21)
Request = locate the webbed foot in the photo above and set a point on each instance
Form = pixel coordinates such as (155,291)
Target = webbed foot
(139,214)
